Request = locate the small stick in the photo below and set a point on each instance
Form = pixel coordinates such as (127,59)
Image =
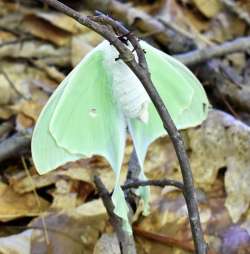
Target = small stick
(207,53)
(158,183)
(126,241)
(169,241)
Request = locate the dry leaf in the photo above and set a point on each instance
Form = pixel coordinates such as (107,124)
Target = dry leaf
(37,49)
(45,30)
(78,230)
(22,185)
(23,122)
(62,21)
(29,108)
(5,89)
(19,79)
(195,20)
(208,8)
(237,60)
(6,37)
(225,27)
(5,112)
(14,205)
(63,197)
(92,209)
(87,173)
(51,71)
(223,142)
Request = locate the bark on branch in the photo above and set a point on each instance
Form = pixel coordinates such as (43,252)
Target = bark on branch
(126,241)
(207,53)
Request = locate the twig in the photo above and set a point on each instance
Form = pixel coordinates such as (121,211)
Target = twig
(133,167)
(14,146)
(160,238)
(234,8)
(20,40)
(223,87)
(174,41)
(132,175)
(12,85)
(159,183)
(230,108)
(202,55)
(132,181)
(126,241)
(141,71)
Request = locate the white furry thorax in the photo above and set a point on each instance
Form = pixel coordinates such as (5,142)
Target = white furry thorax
(126,87)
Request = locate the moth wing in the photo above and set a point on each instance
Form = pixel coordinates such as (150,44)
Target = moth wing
(87,120)
(181,92)
(46,154)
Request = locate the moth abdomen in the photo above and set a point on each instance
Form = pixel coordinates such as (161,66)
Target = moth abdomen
(127,89)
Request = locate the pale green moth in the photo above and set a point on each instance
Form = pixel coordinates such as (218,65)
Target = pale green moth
(94,105)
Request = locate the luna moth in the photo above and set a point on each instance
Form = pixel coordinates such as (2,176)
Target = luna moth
(94,106)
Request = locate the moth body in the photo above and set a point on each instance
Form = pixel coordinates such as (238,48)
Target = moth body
(126,87)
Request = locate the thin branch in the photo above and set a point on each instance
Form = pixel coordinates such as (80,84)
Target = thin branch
(95,26)
(160,238)
(174,41)
(141,71)
(133,173)
(126,241)
(159,183)
(204,54)
(133,167)
(12,85)
(215,74)
(132,181)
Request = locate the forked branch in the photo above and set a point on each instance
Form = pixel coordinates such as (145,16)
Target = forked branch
(107,27)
